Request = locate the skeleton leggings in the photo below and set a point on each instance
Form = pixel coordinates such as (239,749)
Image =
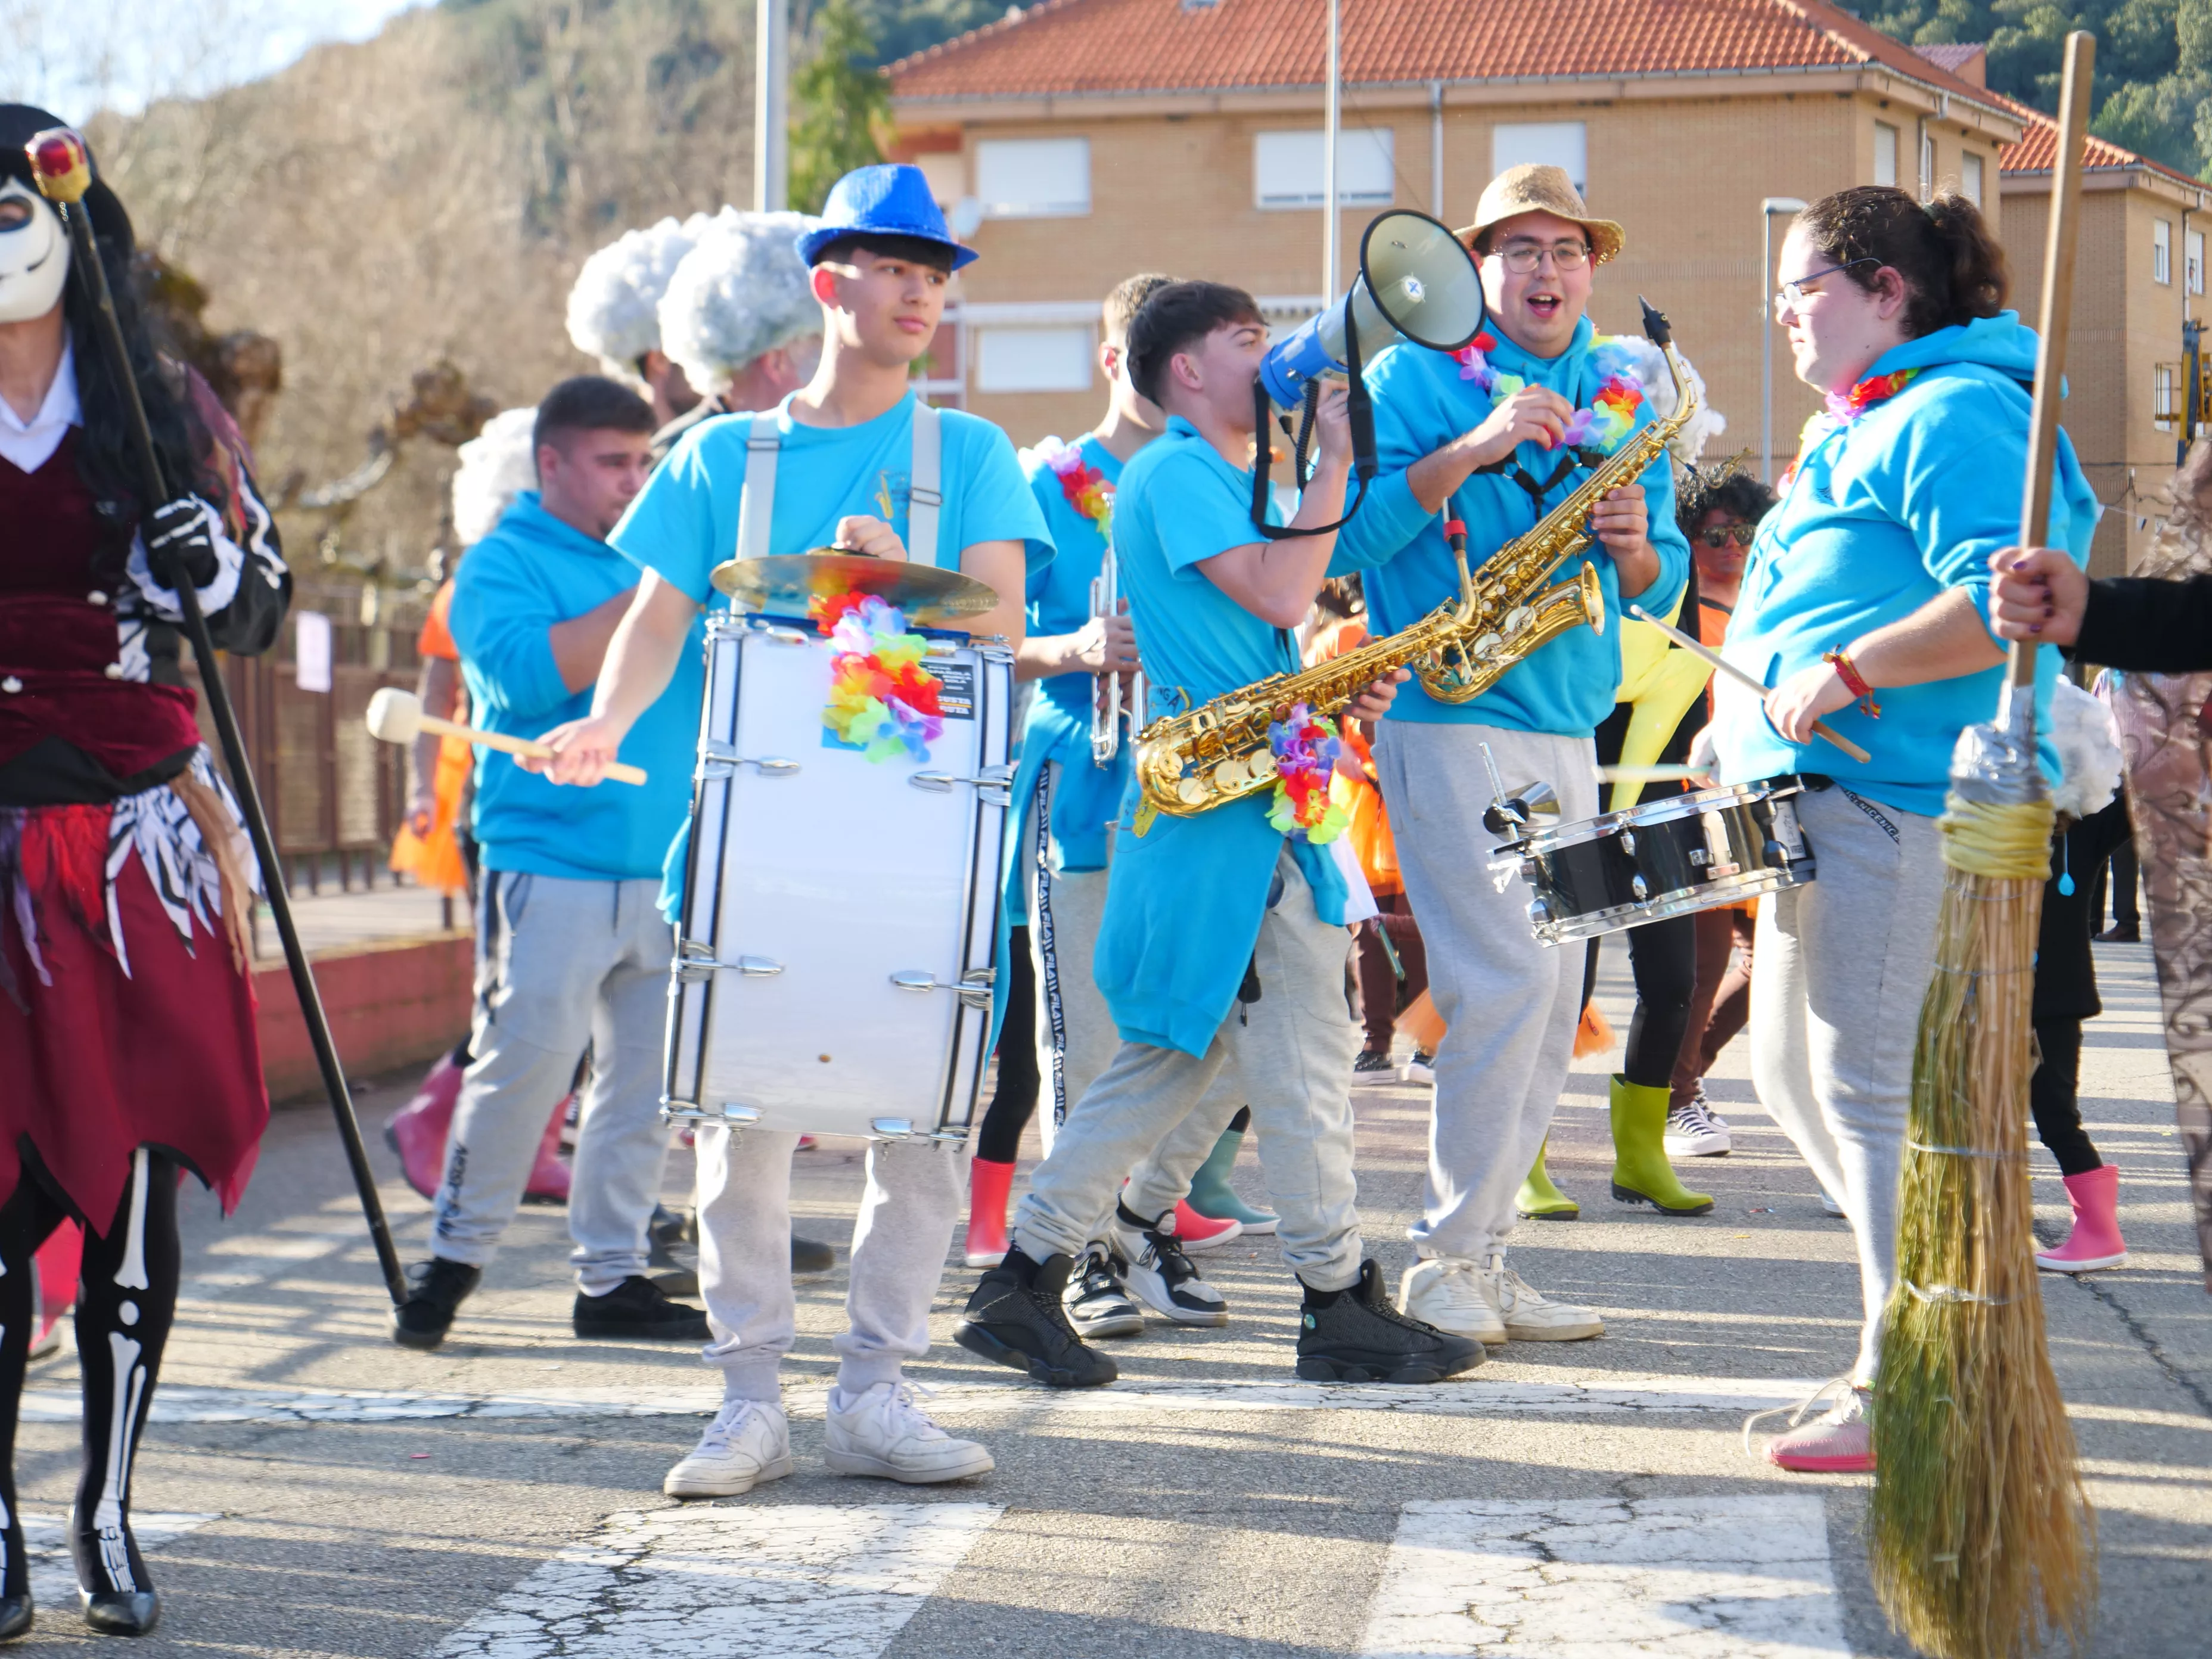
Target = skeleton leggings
(126,1300)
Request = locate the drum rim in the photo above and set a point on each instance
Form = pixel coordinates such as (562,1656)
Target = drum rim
(1665,907)
(1667,810)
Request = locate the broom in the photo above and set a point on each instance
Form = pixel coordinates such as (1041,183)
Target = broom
(1982,1541)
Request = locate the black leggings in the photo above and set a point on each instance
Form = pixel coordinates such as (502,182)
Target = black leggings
(1663,956)
(2051,1096)
(126,1300)
(1014,1102)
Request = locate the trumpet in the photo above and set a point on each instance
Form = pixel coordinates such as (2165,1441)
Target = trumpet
(1114,693)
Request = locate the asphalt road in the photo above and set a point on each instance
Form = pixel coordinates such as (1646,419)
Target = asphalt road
(310,1489)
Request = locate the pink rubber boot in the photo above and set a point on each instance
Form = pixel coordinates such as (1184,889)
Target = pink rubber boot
(1195,1233)
(550,1177)
(418,1129)
(2095,1241)
(989,1183)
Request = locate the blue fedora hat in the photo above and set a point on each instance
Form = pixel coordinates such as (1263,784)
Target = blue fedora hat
(889,200)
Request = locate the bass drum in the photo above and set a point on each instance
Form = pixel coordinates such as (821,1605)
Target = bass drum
(835,963)
(1666,858)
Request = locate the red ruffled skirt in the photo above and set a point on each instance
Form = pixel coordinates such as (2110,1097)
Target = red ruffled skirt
(126,1019)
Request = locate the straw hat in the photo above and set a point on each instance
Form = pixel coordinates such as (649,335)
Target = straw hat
(1530,188)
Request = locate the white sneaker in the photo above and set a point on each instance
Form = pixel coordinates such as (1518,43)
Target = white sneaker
(1421,1069)
(1445,1290)
(882,1431)
(1528,1317)
(748,1443)
(1691,1133)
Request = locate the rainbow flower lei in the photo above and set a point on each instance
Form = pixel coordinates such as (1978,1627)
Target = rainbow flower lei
(1609,419)
(882,700)
(1848,406)
(1305,747)
(1083,486)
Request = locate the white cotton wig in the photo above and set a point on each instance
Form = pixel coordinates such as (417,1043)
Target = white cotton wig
(496,465)
(2089,751)
(614,308)
(1651,368)
(742,290)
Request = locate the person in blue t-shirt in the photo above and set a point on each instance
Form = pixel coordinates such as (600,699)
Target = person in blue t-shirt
(1863,603)
(880,261)
(1224,942)
(570,943)
(1503,432)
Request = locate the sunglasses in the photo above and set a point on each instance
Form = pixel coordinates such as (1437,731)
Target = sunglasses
(1722,534)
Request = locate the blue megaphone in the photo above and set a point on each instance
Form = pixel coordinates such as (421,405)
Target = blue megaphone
(1416,283)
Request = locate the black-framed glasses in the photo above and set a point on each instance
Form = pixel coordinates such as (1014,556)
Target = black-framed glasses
(1792,293)
(1721,535)
(1523,258)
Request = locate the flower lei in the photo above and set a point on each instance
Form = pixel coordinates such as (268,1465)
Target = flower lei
(1610,417)
(1848,406)
(1305,747)
(1085,487)
(882,700)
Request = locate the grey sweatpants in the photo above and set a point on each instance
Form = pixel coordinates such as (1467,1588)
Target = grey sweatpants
(1511,1004)
(1291,1052)
(899,1242)
(1839,968)
(561,964)
(1075,1036)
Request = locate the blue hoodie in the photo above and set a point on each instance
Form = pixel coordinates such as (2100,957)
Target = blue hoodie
(1880,516)
(534,571)
(1422,402)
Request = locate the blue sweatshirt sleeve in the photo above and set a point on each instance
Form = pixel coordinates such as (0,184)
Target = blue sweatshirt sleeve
(1666,538)
(1954,481)
(1410,422)
(502,619)
(669,527)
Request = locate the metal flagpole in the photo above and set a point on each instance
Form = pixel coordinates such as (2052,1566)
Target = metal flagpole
(1336,123)
(772,106)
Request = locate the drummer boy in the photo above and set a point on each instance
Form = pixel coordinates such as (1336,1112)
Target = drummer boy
(880,259)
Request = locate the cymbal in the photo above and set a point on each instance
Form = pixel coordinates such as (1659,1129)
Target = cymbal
(783,583)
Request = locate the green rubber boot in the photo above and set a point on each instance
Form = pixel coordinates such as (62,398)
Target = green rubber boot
(1211,1195)
(1539,1199)
(1641,1173)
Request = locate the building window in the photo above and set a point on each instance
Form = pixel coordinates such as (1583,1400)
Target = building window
(1033,178)
(2192,270)
(1547,143)
(2164,410)
(1885,154)
(1291,169)
(1970,178)
(2161,251)
(1033,359)
(1927,164)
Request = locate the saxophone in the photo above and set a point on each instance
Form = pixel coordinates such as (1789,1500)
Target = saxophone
(1191,763)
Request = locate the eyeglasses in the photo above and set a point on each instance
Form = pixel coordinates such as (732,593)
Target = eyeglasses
(1522,257)
(1722,534)
(1793,294)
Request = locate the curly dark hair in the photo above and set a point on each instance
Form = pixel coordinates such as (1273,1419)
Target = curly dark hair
(1726,488)
(1954,269)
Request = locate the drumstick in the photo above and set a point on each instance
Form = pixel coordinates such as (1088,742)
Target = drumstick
(397,716)
(1698,647)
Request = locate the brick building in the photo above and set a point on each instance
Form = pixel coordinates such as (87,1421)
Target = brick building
(1085,139)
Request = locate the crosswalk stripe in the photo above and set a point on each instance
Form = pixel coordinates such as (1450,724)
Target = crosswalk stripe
(821,1580)
(1598,1393)
(1718,1578)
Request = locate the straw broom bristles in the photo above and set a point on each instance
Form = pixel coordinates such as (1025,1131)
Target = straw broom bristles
(1982,1539)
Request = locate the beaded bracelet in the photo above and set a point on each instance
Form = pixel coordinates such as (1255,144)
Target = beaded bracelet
(1854,682)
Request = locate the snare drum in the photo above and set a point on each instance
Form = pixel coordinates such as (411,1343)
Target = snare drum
(1665,857)
(835,961)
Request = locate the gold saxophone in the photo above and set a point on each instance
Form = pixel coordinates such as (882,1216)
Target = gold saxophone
(1191,763)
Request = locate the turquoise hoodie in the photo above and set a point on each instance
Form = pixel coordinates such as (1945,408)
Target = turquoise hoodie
(1880,516)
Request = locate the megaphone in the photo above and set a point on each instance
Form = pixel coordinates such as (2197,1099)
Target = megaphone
(1416,283)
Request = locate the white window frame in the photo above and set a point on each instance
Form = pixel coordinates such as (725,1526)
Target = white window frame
(1971,177)
(1006,354)
(1927,164)
(999,162)
(2165,403)
(1885,154)
(2192,261)
(1289,169)
(2161,251)
(1564,144)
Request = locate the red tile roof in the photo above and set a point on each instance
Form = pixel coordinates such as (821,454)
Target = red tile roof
(1952,57)
(1107,46)
(2037,149)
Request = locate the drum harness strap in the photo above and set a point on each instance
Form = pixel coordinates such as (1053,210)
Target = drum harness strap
(925,496)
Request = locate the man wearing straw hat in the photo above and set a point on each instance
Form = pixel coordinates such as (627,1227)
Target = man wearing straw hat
(1503,432)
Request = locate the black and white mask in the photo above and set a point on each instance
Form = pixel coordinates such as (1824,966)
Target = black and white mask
(34,253)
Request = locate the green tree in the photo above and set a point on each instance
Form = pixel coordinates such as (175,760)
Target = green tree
(839,102)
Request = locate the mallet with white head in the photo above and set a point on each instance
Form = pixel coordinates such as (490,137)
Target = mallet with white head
(397,716)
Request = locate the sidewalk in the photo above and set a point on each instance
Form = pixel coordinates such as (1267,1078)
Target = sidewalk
(328,921)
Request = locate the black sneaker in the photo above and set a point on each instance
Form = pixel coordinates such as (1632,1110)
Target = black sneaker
(1158,1275)
(1356,1335)
(1015,1318)
(638,1307)
(422,1319)
(1370,1061)
(809,1257)
(1096,1301)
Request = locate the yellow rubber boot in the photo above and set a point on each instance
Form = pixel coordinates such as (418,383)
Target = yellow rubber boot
(1539,1199)
(1641,1173)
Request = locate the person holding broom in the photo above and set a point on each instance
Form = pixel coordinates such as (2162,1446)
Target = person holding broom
(1863,603)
